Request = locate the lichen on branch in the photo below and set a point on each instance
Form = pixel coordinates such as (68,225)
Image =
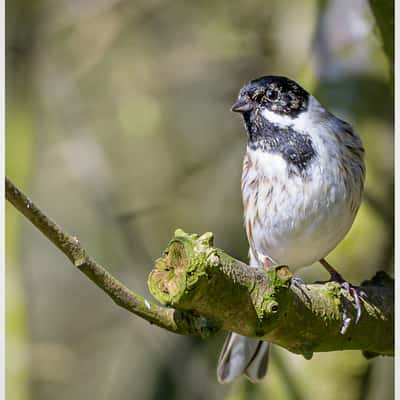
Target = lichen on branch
(203,289)
(304,318)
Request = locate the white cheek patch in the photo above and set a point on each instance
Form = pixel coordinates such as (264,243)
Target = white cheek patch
(276,118)
(303,121)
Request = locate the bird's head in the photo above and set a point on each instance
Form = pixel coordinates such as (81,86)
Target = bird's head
(272,96)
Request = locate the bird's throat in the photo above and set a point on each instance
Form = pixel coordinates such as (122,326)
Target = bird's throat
(295,147)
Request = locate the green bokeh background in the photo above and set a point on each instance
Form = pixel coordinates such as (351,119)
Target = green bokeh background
(118,127)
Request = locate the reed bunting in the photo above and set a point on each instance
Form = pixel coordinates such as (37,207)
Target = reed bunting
(302,182)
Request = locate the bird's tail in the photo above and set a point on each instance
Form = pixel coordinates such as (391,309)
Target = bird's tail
(242,355)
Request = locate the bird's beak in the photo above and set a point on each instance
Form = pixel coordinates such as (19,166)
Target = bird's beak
(241,106)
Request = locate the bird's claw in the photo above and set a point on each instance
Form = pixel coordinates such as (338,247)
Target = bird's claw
(296,281)
(299,284)
(356,293)
(345,324)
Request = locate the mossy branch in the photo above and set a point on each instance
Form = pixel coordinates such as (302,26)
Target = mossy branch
(168,318)
(303,318)
(205,289)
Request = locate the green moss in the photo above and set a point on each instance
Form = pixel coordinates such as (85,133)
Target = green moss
(195,277)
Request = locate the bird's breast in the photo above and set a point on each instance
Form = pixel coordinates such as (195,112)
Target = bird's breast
(294,146)
(294,219)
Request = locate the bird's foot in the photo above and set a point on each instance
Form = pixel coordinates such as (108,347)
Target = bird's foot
(355,291)
(299,284)
(296,281)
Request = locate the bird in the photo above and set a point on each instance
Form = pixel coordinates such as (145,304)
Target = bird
(302,184)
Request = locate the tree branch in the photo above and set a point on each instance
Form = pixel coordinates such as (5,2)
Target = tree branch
(168,318)
(303,318)
(209,289)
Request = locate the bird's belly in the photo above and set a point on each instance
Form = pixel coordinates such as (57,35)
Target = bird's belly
(299,241)
(297,220)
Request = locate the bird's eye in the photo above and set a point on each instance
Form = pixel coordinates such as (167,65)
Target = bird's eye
(272,94)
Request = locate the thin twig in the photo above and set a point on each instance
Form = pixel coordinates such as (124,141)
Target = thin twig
(168,318)
(199,279)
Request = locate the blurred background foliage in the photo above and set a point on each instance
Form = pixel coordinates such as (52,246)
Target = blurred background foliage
(118,126)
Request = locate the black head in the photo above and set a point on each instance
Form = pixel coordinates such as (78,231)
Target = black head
(275,93)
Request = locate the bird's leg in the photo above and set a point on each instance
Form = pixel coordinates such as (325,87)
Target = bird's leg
(354,291)
(335,276)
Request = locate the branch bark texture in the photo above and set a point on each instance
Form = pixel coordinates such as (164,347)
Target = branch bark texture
(303,318)
(168,318)
(204,289)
